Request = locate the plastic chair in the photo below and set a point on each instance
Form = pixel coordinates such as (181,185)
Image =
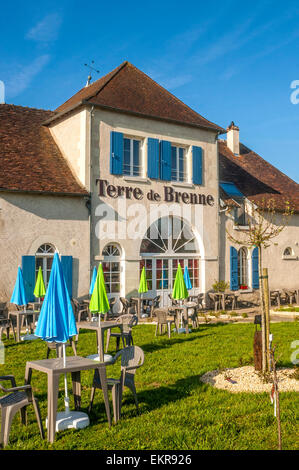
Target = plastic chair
(18,399)
(5,325)
(58,347)
(162,321)
(81,309)
(125,305)
(132,358)
(128,321)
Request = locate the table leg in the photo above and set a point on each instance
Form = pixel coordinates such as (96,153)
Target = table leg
(103,378)
(18,328)
(76,380)
(53,385)
(28,375)
(100,338)
(186,322)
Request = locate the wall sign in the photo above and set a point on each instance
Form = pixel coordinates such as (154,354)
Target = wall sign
(169,194)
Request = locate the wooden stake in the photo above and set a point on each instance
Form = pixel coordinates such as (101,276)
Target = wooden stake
(275,383)
(267,315)
(264,353)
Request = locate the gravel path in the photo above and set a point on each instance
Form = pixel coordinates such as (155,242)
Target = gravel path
(246,379)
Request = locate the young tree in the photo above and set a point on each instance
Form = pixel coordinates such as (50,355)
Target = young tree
(264,224)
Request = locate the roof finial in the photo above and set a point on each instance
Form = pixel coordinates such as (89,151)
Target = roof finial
(89,78)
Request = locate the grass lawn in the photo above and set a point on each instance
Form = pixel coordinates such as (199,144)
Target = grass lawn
(177,411)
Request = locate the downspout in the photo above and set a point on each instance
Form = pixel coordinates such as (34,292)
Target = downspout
(218,216)
(90,190)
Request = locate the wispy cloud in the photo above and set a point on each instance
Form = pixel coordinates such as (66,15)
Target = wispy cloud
(45,30)
(21,80)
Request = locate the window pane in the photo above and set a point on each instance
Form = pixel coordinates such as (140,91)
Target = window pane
(127,156)
(136,163)
(49,263)
(115,267)
(173,164)
(115,277)
(115,288)
(181,165)
(39,263)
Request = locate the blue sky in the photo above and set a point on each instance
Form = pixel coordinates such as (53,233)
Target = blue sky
(228,60)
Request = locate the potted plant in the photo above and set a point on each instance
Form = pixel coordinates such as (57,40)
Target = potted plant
(220,286)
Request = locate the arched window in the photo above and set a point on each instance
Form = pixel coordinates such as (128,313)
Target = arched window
(44,259)
(168,236)
(111,268)
(243,267)
(288,252)
(167,242)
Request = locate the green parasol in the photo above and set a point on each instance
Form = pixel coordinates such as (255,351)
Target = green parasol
(99,301)
(180,291)
(143,287)
(39,290)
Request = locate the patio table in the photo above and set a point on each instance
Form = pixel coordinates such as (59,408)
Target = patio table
(275,295)
(290,294)
(100,330)
(21,314)
(181,309)
(223,296)
(139,301)
(54,368)
(36,306)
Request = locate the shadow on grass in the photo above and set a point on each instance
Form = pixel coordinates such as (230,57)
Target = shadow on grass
(166,342)
(151,398)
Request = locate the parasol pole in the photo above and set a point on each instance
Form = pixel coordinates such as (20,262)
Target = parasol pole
(66,398)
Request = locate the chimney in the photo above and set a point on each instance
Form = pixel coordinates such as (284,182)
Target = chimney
(233,141)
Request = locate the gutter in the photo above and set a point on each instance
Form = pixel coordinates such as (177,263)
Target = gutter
(44,193)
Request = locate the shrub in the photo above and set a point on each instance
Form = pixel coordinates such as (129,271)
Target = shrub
(220,286)
(234,314)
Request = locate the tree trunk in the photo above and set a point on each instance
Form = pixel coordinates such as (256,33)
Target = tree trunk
(264,353)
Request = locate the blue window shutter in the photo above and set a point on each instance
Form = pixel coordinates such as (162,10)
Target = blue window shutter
(255,268)
(197,165)
(28,269)
(234,284)
(165,160)
(116,153)
(67,268)
(153,158)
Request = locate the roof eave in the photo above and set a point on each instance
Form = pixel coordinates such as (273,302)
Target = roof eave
(44,193)
(216,129)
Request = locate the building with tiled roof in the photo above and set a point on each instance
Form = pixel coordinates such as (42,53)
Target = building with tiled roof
(126,174)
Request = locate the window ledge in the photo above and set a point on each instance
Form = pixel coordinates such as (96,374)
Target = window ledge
(241,227)
(290,257)
(136,179)
(182,184)
(245,291)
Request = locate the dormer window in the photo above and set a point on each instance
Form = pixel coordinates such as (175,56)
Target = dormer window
(240,217)
(288,253)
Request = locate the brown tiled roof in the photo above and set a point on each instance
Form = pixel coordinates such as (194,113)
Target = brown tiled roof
(128,89)
(29,158)
(257,179)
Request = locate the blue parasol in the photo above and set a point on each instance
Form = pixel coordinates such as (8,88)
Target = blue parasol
(19,295)
(57,324)
(93,280)
(187,278)
(56,321)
